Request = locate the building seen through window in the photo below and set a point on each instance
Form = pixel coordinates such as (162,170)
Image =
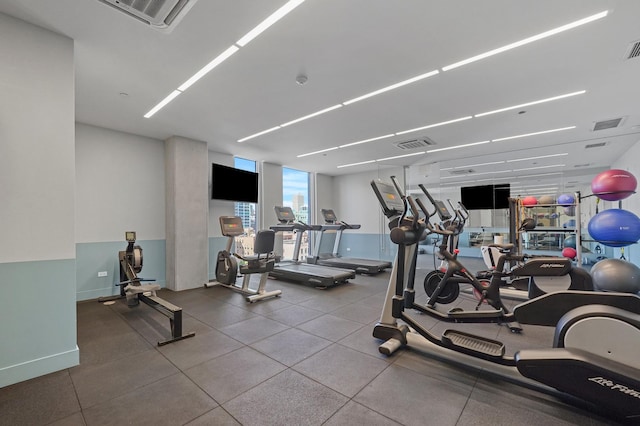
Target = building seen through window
(295,193)
(247,212)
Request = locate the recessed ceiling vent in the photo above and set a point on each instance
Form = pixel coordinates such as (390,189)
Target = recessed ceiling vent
(634,50)
(581,165)
(415,143)
(161,15)
(595,145)
(462,171)
(607,124)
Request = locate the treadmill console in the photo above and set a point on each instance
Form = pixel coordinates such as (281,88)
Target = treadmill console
(329,216)
(285,214)
(391,202)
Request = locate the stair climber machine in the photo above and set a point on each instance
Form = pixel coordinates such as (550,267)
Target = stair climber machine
(510,271)
(299,272)
(593,362)
(261,262)
(134,291)
(332,224)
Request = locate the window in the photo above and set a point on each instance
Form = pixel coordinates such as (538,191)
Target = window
(246,211)
(295,194)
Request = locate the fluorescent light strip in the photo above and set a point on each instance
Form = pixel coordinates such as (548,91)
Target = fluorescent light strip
(532,134)
(529,186)
(541,174)
(434,125)
(456,147)
(401,156)
(317,152)
(275,17)
(367,140)
(527,40)
(538,157)
(357,164)
(272,19)
(478,165)
(382,159)
(555,98)
(162,103)
(539,167)
(393,86)
(211,65)
(297,120)
(255,135)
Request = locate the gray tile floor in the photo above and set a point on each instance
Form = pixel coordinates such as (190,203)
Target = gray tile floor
(306,358)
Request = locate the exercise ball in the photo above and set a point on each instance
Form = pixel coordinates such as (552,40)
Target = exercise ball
(616,275)
(529,201)
(613,185)
(570,241)
(569,252)
(571,223)
(566,200)
(615,228)
(547,199)
(569,210)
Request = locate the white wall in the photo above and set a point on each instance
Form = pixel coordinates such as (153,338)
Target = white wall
(325,196)
(120,185)
(37,202)
(355,202)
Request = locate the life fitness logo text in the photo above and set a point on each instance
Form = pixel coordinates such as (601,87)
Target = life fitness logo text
(615,386)
(552,265)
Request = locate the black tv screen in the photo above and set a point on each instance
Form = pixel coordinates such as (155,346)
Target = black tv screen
(485,197)
(231,184)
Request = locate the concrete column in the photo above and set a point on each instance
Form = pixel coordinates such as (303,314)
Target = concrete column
(187,211)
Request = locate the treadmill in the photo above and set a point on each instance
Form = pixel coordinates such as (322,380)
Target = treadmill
(363,266)
(299,272)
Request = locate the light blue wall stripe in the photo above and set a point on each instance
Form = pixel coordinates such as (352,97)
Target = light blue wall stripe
(92,258)
(367,246)
(37,301)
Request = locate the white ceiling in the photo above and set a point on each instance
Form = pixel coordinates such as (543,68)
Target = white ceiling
(348,48)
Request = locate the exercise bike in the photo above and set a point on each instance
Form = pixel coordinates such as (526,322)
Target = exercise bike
(443,285)
(594,354)
(227,267)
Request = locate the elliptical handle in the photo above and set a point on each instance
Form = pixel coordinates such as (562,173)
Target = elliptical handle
(421,186)
(398,188)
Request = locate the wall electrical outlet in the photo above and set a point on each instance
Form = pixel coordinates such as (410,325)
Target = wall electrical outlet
(102,274)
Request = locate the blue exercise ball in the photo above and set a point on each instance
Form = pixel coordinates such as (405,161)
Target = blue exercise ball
(571,223)
(616,275)
(570,241)
(566,200)
(615,228)
(569,210)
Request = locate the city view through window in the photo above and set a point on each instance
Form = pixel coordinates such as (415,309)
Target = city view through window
(295,194)
(246,211)
(295,190)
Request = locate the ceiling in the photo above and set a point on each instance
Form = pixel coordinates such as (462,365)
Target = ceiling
(348,48)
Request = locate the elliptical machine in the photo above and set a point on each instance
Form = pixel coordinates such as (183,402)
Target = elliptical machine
(227,266)
(594,354)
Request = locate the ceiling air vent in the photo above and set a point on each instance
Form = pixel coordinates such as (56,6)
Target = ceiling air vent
(581,165)
(161,15)
(634,50)
(607,124)
(595,145)
(415,143)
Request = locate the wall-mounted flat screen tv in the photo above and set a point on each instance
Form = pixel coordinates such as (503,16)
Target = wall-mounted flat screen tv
(231,184)
(485,197)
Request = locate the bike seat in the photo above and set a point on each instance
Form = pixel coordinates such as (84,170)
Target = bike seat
(503,247)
